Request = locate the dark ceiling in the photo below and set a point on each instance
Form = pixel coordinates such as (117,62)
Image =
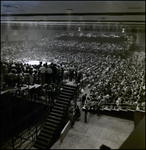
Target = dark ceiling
(128,13)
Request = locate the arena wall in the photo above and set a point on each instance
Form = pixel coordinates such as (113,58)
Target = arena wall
(9,34)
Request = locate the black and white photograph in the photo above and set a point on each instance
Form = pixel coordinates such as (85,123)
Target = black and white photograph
(72,74)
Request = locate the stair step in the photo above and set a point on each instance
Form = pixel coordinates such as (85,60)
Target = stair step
(57,111)
(66,93)
(69,91)
(69,87)
(57,107)
(51,124)
(62,102)
(43,138)
(41,142)
(39,146)
(46,130)
(56,114)
(66,96)
(48,136)
(63,99)
(60,105)
(55,117)
(52,120)
(50,127)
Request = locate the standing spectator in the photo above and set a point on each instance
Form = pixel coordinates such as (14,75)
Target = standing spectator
(71,73)
(83,99)
(86,112)
(35,76)
(62,72)
(71,114)
(49,73)
(51,92)
(100,104)
(77,113)
(54,75)
(42,71)
(79,76)
(12,78)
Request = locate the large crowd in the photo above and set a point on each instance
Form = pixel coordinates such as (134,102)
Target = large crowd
(101,62)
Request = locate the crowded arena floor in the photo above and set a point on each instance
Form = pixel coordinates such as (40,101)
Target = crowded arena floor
(108,70)
(110,67)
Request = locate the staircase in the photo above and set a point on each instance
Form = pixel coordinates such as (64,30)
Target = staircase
(53,125)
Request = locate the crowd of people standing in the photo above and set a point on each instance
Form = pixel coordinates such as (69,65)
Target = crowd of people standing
(104,66)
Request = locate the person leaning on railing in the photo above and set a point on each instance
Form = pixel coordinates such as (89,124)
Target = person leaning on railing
(100,105)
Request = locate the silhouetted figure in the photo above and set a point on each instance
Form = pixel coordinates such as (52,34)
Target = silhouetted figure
(77,113)
(83,99)
(86,112)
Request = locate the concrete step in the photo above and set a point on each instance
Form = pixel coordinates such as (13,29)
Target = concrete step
(50,127)
(56,114)
(41,142)
(46,130)
(58,107)
(62,102)
(55,117)
(39,146)
(66,93)
(51,124)
(59,104)
(68,90)
(53,121)
(57,111)
(43,134)
(69,86)
(63,99)
(44,138)
(65,96)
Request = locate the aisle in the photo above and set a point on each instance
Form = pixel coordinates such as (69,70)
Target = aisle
(106,130)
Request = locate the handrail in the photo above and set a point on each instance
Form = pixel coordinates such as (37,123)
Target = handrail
(26,117)
(48,109)
(41,124)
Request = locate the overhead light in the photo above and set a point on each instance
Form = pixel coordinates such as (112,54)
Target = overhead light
(7,6)
(16,6)
(123,30)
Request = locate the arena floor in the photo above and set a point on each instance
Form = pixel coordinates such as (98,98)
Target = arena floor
(106,130)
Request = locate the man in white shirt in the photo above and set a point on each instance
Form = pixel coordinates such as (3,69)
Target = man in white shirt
(49,73)
(42,71)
